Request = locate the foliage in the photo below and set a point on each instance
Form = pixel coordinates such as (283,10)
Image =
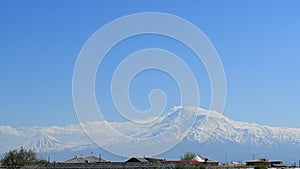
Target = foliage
(17,158)
(182,166)
(201,167)
(188,156)
(261,166)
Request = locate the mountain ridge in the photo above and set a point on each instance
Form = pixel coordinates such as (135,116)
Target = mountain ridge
(211,129)
(247,133)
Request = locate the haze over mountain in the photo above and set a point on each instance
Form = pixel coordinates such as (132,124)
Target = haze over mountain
(212,134)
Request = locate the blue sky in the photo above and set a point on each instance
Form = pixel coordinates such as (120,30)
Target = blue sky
(257,41)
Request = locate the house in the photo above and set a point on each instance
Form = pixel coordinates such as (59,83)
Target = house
(144,159)
(206,161)
(89,159)
(75,160)
(278,164)
(136,159)
(198,160)
(94,159)
(258,162)
(151,159)
(266,162)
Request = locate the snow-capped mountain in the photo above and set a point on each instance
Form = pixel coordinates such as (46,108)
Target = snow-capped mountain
(227,130)
(43,142)
(211,126)
(217,135)
(210,133)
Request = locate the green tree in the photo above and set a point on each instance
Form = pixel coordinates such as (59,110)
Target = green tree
(261,166)
(18,158)
(181,166)
(188,156)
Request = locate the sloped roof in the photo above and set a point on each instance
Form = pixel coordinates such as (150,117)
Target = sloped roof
(75,160)
(199,159)
(202,159)
(89,159)
(144,159)
(136,159)
(94,159)
(152,159)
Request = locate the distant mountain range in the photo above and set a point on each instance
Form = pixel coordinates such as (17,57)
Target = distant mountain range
(212,134)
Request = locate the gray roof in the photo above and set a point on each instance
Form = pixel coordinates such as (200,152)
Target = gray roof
(143,159)
(94,159)
(136,159)
(75,160)
(89,159)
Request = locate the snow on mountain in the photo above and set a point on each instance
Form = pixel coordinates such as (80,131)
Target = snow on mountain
(227,130)
(43,142)
(198,125)
(205,126)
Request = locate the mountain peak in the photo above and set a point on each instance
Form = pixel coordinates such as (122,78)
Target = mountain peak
(43,142)
(199,111)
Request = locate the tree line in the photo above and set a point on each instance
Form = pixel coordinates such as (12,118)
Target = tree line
(21,157)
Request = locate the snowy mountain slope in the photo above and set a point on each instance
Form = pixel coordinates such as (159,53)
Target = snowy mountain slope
(208,126)
(209,131)
(227,130)
(43,142)
(211,126)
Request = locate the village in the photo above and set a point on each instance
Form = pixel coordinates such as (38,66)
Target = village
(149,162)
(189,160)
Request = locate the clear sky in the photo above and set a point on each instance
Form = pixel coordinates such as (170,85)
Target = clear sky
(257,41)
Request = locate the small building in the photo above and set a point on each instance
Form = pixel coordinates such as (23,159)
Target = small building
(206,161)
(258,162)
(197,161)
(136,159)
(89,159)
(278,164)
(144,159)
